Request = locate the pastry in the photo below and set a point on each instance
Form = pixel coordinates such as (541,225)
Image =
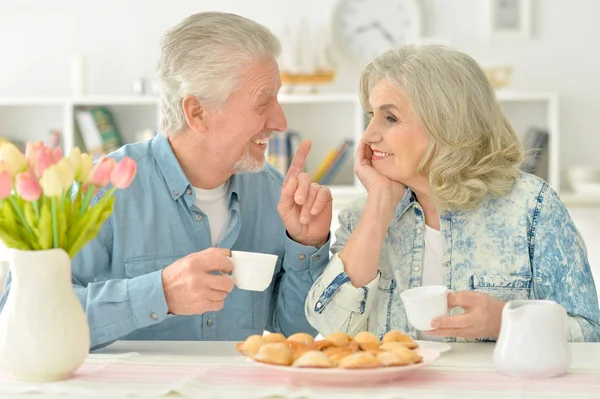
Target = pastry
(313,359)
(397,336)
(402,350)
(359,360)
(274,353)
(298,349)
(251,345)
(336,354)
(367,340)
(322,345)
(302,338)
(339,338)
(390,359)
(274,337)
(352,345)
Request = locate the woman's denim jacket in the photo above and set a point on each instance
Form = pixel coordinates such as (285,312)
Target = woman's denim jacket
(520,246)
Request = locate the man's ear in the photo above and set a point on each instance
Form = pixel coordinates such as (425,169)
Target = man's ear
(195,113)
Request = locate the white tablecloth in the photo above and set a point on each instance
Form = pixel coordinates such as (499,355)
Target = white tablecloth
(215,370)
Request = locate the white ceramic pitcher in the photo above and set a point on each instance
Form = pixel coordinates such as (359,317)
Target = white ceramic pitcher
(533,340)
(44,334)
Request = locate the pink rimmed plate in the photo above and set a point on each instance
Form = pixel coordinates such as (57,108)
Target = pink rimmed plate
(308,376)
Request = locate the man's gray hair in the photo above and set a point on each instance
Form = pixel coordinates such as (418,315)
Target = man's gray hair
(203,56)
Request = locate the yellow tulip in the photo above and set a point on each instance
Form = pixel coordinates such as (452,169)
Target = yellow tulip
(85,173)
(13,158)
(52,182)
(67,173)
(75,158)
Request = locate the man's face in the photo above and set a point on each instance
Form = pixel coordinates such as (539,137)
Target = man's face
(245,122)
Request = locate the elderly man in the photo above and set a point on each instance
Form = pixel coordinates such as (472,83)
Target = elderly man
(157,269)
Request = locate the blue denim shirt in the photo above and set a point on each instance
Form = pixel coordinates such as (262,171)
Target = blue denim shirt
(523,245)
(117,276)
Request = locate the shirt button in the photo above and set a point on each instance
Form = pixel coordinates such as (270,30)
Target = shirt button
(188,191)
(176,193)
(446,225)
(302,257)
(209,322)
(316,257)
(447,264)
(198,216)
(319,305)
(416,268)
(154,316)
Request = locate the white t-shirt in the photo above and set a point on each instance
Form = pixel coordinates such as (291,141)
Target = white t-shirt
(432,267)
(214,203)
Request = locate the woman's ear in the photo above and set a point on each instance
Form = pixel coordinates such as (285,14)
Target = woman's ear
(195,113)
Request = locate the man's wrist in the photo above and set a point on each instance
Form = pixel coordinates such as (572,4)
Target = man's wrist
(310,243)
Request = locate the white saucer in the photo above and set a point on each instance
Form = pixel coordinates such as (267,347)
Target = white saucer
(440,347)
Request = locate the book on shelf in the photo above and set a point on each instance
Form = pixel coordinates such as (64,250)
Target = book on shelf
(345,152)
(333,161)
(282,147)
(98,130)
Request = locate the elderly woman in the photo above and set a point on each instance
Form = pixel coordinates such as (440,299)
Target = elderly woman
(446,204)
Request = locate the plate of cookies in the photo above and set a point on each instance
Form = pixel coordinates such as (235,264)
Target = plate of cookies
(338,358)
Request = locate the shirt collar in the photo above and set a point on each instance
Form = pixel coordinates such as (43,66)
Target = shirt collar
(405,203)
(174,176)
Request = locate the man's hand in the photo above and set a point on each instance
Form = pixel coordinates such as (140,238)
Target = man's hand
(191,288)
(305,208)
(482,317)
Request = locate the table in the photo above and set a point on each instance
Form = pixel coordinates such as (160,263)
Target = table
(464,363)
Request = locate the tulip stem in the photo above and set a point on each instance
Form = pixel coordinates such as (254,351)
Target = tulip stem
(36,209)
(54,222)
(86,199)
(20,214)
(66,196)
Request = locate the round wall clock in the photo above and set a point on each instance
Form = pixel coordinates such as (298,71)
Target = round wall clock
(363,29)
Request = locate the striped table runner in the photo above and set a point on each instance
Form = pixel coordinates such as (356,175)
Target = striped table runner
(219,378)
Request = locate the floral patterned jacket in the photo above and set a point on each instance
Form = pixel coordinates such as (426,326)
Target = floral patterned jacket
(523,245)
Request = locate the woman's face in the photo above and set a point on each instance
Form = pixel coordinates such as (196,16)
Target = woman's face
(396,137)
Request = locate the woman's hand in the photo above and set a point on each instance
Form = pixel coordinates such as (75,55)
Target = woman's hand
(482,317)
(375,182)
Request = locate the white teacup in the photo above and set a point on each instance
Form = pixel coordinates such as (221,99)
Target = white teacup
(252,271)
(423,304)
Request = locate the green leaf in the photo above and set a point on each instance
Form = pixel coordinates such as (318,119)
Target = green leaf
(33,223)
(62,229)
(45,228)
(11,241)
(30,215)
(94,220)
(11,223)
(74,210)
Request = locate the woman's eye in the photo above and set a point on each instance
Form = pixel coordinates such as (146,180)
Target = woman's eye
(390,119)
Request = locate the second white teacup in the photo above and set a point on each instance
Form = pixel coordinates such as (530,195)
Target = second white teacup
(423,304)
(252,271)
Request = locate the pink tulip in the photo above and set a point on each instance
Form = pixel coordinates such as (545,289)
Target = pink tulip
(28,187)
(123,173)
(58,154)
(44,159)
(6,183)
(101,172)
(31,152)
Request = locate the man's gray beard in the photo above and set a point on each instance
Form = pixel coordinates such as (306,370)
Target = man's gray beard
(249,164)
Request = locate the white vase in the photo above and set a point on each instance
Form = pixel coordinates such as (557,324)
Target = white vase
(44,334)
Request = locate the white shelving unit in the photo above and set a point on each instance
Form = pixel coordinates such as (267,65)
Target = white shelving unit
(325,119)
(541,110)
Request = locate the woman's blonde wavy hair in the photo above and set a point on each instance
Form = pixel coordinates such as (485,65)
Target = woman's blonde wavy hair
(473,150)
